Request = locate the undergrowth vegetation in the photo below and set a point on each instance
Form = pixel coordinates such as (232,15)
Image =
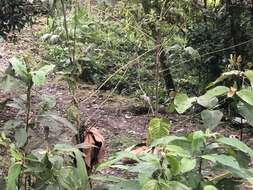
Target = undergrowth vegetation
(163,52)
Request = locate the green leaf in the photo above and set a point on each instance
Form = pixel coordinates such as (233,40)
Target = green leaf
(187,164)
(233,142)
(158,128)
(224,160)
(223,77)
(12,124)
(174,185)
(126,185)
(13,174)
(48,102)
(210,187)
(246,111)
(167,140)
(81,170)
(15,153)
(207,102)
(249,75)
(19,67)
(150,185)
(39,76)
(211,118)
(60,120)
(107,178)
(246,95)
(217,91)
(198,139)
(209,99)
(176,151)
(20,137)
(183,102)
(9,83)
(174,164)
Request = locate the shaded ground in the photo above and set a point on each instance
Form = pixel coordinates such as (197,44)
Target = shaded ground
(120,126)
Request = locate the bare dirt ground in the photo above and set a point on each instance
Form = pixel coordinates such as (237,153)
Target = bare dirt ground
(120,126)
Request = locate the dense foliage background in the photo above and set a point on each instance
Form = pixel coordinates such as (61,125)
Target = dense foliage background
(176,57)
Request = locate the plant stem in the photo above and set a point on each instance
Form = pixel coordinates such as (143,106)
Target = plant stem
(157,77)
(65,19)
(66,28)
(28,105)
(200,166)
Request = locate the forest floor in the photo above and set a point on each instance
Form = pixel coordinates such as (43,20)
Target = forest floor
(113,114)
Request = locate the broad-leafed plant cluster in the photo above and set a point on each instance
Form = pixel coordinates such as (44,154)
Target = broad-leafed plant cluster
(158,49)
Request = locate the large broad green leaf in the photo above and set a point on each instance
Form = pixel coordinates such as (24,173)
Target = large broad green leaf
(19,67)
(12,124)
(39,76)
(126,185)
(174,185)
(211,118)
(9,83)
(246,95)
(207,102)
(217,91)
(210,187)
(175,150)
(198,139)
(233,142)
(149,164)
(20,137)
(249,75)
(60,120)
(48,102)
(150,185)
(174,164)
(167,140)
(183,102)
(246,111)
(224,160)
(107,178)
(187,164)
(13,174)
(157,129)
(223,77)
(209,99)
(81,170)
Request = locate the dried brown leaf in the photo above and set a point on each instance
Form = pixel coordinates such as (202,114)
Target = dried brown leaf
(231,92)
(96,153)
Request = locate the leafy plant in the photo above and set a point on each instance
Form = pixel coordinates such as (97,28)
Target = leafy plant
(185,162)
(52,169)
(48,169)
(239,94)
(24,75)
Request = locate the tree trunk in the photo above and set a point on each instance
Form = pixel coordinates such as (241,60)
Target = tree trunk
(235,29)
